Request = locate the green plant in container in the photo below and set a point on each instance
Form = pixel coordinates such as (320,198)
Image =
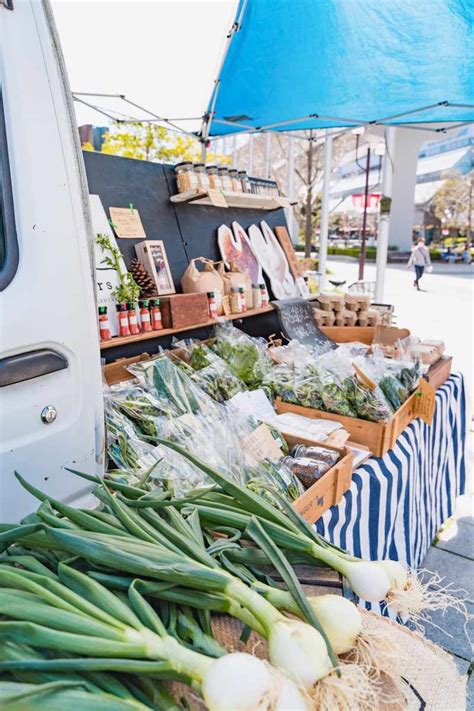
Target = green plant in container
(128,291)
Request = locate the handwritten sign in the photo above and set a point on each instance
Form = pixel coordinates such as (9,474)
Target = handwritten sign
(297,322)
(425,401)
(260,445)
(127,223)
(217,198)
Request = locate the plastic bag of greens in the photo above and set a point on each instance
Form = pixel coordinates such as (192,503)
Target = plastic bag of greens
(210,371)
(123,444)
(173,389)
(294,354)
(279,381)
(247,357)
(141,407)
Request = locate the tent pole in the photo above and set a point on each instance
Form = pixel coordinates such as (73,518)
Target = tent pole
(364,219)
(384,221)
(234,151)
(324,225)
(290,182)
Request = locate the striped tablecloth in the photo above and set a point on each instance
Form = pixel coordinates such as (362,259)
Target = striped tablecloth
(397,503)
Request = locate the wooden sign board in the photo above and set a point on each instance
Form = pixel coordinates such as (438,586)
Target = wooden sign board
(217,198)
(297,322)
(425,401)
(287,246)
(127,223)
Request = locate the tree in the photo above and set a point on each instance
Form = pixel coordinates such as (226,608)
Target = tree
(452,204)
(148,141)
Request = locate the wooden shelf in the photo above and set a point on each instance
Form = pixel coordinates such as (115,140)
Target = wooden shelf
(124,340)
(244,200)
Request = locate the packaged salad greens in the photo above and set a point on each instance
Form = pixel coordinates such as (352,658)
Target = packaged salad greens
(210,371)
(247,357)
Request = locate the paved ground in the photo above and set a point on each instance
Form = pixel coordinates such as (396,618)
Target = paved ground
(444,310)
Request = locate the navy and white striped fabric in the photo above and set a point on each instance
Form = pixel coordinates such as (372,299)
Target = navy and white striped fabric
(397,503)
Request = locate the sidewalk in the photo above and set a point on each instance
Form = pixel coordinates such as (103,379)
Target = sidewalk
(452,556)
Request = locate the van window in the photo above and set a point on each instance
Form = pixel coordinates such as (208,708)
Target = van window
(8,237)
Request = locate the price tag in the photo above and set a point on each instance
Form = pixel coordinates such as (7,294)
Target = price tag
(260,445)
(127,223)
(217,198)
(425,401)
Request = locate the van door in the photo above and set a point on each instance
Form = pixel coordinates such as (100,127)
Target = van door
(50,380)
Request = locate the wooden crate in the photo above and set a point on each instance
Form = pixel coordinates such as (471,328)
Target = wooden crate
(379,437)
(439,372)
(184,310)
(117,372)
(387,335)
(328,490)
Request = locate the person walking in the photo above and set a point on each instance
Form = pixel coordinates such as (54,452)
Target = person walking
(419,258)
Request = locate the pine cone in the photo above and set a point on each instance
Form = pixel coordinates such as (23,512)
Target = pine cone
(143,279)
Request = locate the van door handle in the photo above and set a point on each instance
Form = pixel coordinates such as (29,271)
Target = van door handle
(29,365)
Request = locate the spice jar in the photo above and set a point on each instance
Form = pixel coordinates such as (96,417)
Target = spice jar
(235,305)
(226,180)
(264,293)
(145,320)
(244,181)
(256,296)
(155,313)
(212,304)
(185,177)
(307,470)
(104,326)
(243,298)
(321,454)
(236,184)
(132,319)
(215,182)
(202,176)
(124,328)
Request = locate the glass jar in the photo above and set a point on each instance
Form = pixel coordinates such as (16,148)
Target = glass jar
(307,470)
(244,181)
(225,178)
(215,182)
(185,177)
(236,184)
(321,454)
(202,176)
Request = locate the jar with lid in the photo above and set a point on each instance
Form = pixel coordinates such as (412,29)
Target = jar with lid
(202,176)
(244,181)
(321,454)
(215,182)
(256,296)
(185,177)
(235,302)
(307,470)
(236,184)
(226,180)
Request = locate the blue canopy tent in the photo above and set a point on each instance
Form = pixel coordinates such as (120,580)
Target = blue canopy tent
(292,65)
(301,64)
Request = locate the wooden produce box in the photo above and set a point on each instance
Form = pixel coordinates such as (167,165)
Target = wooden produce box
(386,335)
(439,372)
(183,310)
(117,372)
(379,437)
(328,490)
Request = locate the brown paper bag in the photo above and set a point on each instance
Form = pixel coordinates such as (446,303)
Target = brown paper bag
(235,278)
(194,281)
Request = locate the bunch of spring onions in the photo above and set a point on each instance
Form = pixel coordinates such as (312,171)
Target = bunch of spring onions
(129,589)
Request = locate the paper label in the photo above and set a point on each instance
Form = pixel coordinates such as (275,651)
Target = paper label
(425,401)
(217,198)
(127,223)
(260,445)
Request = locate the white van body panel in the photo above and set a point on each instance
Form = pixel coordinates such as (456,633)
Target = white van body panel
(50,301)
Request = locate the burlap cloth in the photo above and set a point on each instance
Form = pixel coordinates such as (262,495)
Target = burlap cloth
(431,681)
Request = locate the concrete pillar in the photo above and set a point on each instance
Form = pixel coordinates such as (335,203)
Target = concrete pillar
(406,146)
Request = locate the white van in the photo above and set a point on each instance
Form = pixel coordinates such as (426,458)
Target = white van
(51,411)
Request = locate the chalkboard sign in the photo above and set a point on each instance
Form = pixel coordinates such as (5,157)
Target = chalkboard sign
(297,321)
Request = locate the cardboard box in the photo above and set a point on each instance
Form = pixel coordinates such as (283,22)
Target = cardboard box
(117,372)
(184,310)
